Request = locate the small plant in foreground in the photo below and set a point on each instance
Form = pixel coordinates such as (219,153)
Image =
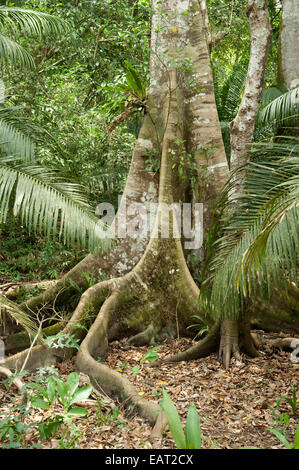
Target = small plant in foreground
(150,356)
(291,401)
(56,392)
(192,437)
(66,394)
(107,417)
(284,440)
(12,427)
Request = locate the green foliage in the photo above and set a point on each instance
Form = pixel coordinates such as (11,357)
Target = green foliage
(192,437)
(281,421)
(41,199)
(109,416)
(17,314)
(259,249)
(202,326)
(29,256)
(283,110)
(44,202)
(14,428)
(291,401)
(66,394)
(134,84)
(150,356)
(62,340)
(284,441)
(53,395)
(26,22)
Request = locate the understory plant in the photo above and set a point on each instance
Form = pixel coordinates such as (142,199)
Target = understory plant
(59,399)
(192,437)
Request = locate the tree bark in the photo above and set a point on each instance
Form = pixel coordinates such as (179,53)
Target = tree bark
(288,63)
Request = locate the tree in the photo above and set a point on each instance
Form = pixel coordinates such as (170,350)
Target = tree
(151,285)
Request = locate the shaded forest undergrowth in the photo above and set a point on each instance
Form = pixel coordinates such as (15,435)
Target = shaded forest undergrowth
(236,407)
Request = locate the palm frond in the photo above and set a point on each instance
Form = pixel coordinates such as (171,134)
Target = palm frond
(31,21)
(18,315)
(259,249)
(14,54)
(228,97)
(270,94)
(15,143)
(284,109)
(46,203)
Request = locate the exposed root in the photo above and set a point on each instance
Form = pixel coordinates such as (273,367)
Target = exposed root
(110,381)
(42,355)
(16,381)
(144,337)
(202,348)
(285,343)
(11,289)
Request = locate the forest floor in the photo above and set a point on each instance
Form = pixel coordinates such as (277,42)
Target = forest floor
(236,407)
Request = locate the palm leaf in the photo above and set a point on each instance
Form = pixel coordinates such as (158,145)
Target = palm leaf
(270,94)
(18,315)
(31,22)
(14,142)
(228,96)
(13,53)
(259,249)
(46,203)
(284,109)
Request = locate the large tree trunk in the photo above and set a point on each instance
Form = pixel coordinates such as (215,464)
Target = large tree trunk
(150,284)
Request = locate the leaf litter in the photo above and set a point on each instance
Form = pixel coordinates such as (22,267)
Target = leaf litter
(235,406)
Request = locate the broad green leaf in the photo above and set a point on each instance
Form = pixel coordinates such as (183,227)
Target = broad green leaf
(193,431)
(151,355)
(61,389)
(135,370)
(72,383)
(81,394)
(78,411)
(49,428)
(51,389)
(42,390)
(173,420)
(39,402)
